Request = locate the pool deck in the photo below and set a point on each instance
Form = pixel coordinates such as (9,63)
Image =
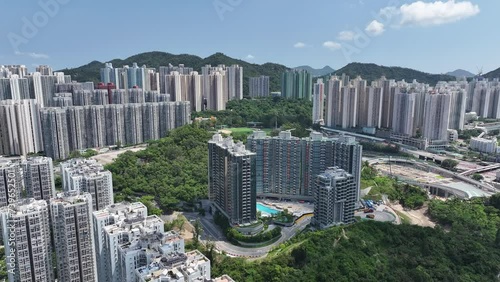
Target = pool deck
(296,208)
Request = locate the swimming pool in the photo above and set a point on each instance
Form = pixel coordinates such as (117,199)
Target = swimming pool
(264,209)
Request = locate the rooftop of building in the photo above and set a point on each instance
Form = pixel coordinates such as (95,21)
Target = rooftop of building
(25,206)
(122,210)
(235,149)
(174,266)
(154,243)
(484,139)
(335,172)
(70,198)
(7,163)
(37,160)
(135,226)
(88,168)
(314,136)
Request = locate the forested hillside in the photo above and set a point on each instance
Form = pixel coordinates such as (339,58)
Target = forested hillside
(374,251)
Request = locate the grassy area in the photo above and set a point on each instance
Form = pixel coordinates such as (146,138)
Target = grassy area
(247,130)
(404,218)
(284,248)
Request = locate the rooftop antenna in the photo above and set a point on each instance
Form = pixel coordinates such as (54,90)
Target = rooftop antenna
(479,71)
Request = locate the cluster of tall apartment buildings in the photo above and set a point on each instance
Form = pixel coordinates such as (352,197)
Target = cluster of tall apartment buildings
(284,167)
(296,84)
(258,86)
(46,112)
(93,238)
(79,127)
(412,109)
(208,90)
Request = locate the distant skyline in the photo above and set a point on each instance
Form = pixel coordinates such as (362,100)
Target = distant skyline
(70,33)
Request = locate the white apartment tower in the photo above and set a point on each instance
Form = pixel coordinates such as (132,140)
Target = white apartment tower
(437,116)
(374,110)
(38,176)
(258,86)
(404,113)
(26,229)
(71,216)
(235,82)
(20,127)
(319,102)
(126,238)
(113,214)
(85,175)
(334,198)
(11,182)
(333,102)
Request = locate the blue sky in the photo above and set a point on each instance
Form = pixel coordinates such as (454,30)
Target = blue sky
(432,36)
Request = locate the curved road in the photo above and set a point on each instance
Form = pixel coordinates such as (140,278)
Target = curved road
(213,233)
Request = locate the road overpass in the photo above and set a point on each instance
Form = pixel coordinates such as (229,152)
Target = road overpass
(462,191)
(480,169)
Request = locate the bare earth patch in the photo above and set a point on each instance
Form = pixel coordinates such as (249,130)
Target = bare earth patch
(417,217)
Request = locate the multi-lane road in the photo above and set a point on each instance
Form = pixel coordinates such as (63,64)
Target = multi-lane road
(213,233)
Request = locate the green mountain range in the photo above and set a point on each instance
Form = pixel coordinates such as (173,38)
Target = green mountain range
(493,74)
(316,72)
(370,72)
(373,72)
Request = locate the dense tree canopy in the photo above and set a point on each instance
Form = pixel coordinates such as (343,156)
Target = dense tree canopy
(449,164)
(271,112)
(169,170)
(373,251)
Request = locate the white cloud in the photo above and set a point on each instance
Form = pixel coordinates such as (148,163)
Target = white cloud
(346,35)
(332,45)
(249,57)
(299,45)
(421,13)
(375,28)
(33,55)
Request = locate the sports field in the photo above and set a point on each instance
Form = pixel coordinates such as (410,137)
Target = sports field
(247,130)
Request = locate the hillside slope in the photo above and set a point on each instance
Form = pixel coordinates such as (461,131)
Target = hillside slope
(372,72)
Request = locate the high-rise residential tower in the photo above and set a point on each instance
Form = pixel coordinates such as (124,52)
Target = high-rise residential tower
(296,84)
(404,113)
(258,86)
(126,239)
(38,174)
(287,166)
(319,102)
(44,70)
(20,127)
(11,182)
(113,214)
(334,198)
(26,231)
(85,175)
(71,216)
(231,179)
(437,116)
(55,133)
(333,102)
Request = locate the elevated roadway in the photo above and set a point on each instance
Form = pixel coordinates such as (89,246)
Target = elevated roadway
(480,169)
(478,189)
